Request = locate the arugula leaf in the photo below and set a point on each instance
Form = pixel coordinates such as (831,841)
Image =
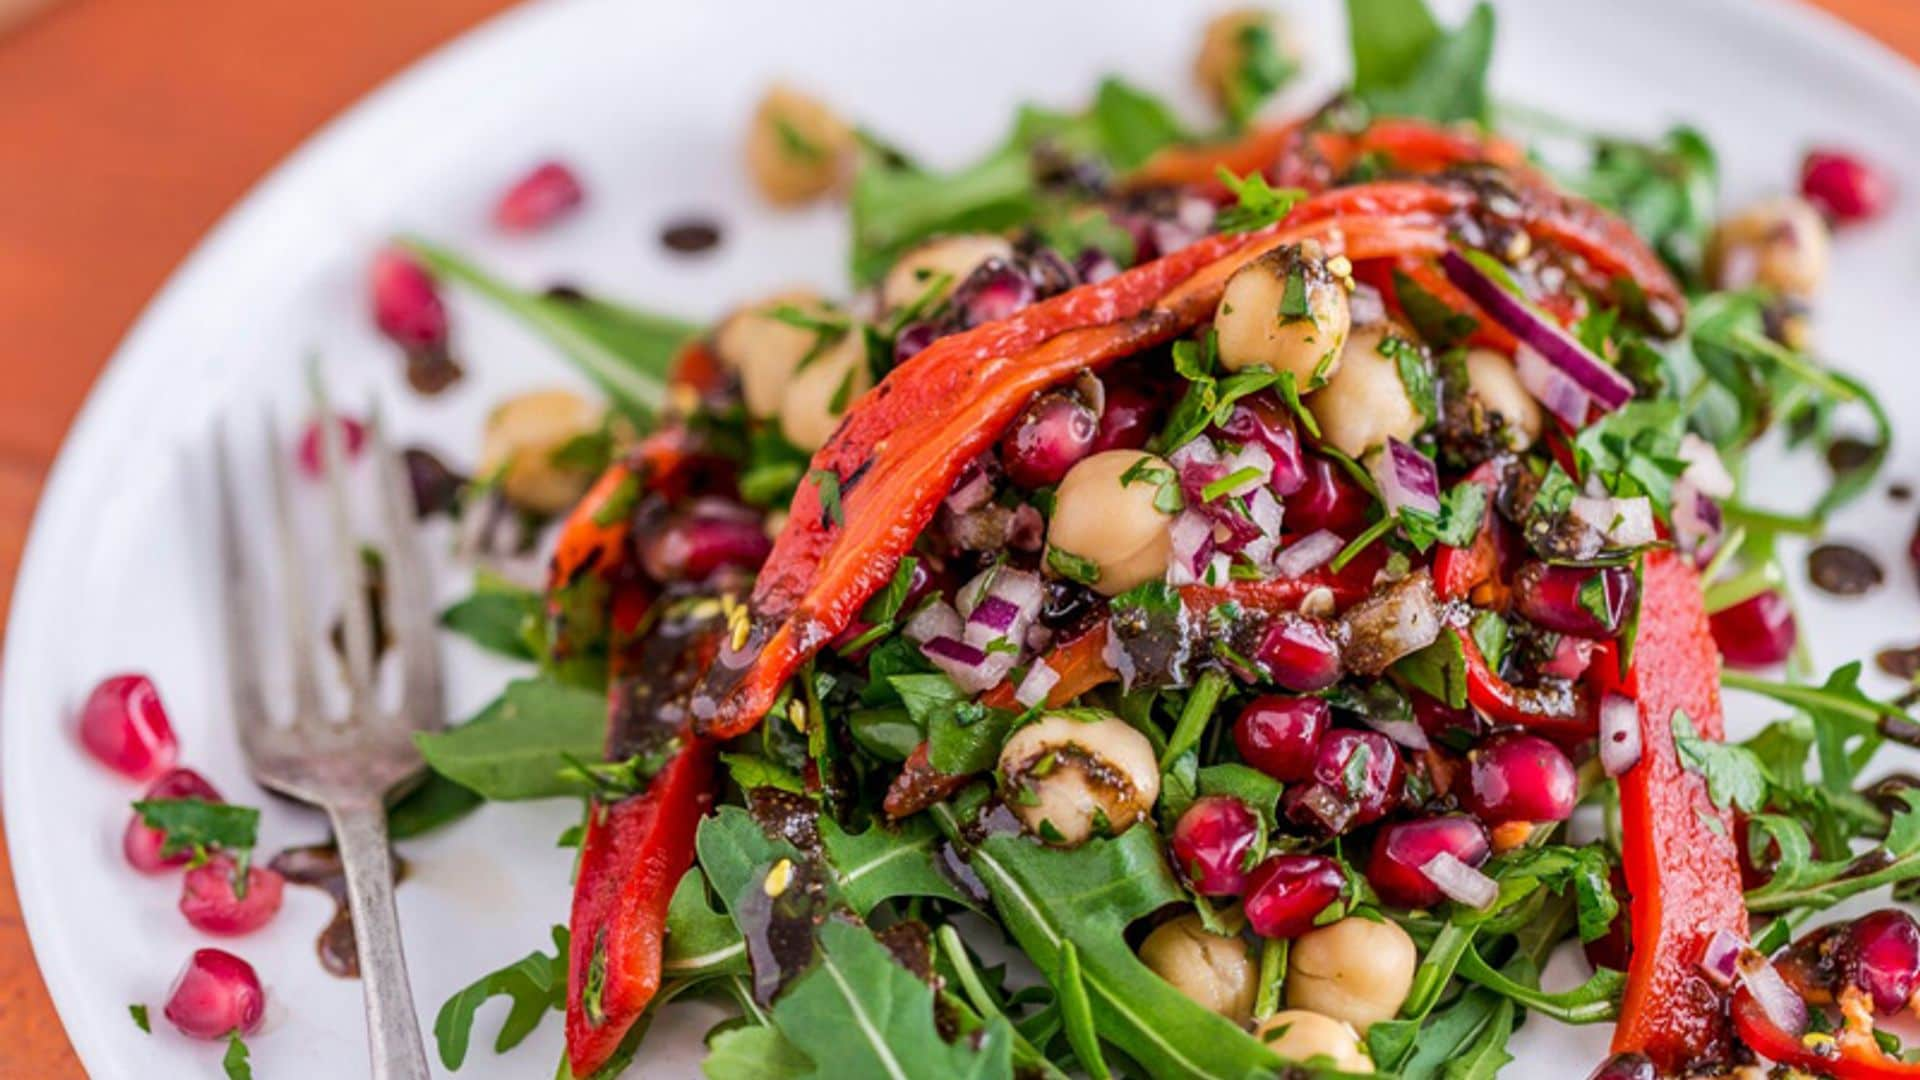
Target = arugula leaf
(1090,895)
(536,984)
(1846,722)
(435,802)
(1667,189)
(754,1052)
(753,771)
(963,736)
(628,353)
(234,1061)
(895,207)
(1556,868)
(499,616)
(200,826)
(1132,124)
(1077,1013)
(701,942)
(1735,776)
(1801,882)
(1592,1002)
(1406,64)
(521,745)
(863,869)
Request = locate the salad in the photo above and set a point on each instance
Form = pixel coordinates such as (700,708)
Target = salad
(1220,603)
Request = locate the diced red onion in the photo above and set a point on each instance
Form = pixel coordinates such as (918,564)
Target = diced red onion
(1039,682)
(1705,471)
(1461,883)
(1333,812)
(1251,456)
(1554,389)
(1266,511)
(1608,387)
(937,619)
(1786,1008)
(1721,960)
(971,668)
(1366,305)
(1407,733)
(1308,553)
(1620,746)
(1000,604)
(1192,540)
(1626,523)
(972,491)
(1407,478)
(1697,522)
(993,613)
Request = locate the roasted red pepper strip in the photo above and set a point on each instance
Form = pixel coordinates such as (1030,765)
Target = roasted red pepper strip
(899,450)
(1682,869)
(631,859)
(1556,712)
(1850,1056)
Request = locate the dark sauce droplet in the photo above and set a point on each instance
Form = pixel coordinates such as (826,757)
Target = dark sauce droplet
(319,866)
(1846,455)
(690,236)
(430,371)
(1899,663)
(1843,570)
(1900,492)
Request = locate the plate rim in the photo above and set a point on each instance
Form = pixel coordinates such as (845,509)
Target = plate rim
(231,245)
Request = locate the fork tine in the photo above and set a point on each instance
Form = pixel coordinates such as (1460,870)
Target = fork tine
(237,594)
(410,606)
(358,622)
(308,708)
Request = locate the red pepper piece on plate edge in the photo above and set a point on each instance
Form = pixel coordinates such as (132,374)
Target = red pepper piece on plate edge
(1682,868)
(1851,1055)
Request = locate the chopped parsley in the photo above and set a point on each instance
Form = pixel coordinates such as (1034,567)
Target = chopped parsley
(1260,204)
(139,1014)
(1166,496)
(1072,567)
(826,484)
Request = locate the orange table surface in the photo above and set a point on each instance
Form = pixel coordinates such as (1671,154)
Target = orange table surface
(129,126)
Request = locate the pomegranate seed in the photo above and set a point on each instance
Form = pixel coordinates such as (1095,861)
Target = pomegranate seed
(1513,776)
(208,901)
(1626,1067)
(1212,842)
(1757,632)
(1880,953)
(713,535)
(995,290)
(913,338)
(1281,736)
(1562,598)
(1130,418)
(1287,892)
(1363,769)
(1326,499)
(1263,418)
(1844,187)
(1299,654)
(1402,848)
(406,303)
(216,995)
(1571,658)
(539,199)
(1052,436)
(124,725)
(313,454)
(142,842)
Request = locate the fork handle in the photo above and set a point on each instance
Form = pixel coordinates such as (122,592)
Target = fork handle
(393,1030)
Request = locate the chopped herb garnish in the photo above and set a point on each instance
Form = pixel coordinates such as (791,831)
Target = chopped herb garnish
(826,484)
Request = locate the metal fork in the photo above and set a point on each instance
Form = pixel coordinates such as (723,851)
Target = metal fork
(350,766)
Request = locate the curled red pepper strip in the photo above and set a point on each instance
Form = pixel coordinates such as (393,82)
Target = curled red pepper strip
(1682,868)
(631,859)
(1559,713)
(1848,1056)
(902,445)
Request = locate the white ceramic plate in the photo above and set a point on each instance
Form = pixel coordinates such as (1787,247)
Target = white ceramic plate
(647,100)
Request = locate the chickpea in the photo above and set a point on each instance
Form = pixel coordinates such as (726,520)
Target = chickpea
(1223,52)
(797,149)
(764,350)
(1780,244)
(822,390)
(1303,1036)
(1066,778)
(1287,311)
(949,257)
(1210,968)
(1105,515)
(519,442)
(1365,403)
(1356,970)
(1495,384)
